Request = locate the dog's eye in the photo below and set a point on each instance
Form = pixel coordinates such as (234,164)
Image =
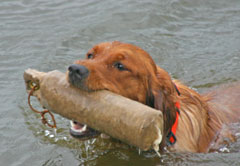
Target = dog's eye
(119,66)
(89,56)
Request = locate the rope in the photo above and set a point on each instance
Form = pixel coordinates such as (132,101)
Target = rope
(42,113)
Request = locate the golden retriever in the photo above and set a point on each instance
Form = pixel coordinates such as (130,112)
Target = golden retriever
(192,122)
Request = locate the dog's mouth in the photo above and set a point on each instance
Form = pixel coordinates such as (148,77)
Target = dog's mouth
(82,131)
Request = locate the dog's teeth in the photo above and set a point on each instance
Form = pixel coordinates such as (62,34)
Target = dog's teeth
(84,128)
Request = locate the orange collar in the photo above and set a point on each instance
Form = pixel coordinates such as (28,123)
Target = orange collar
(171,137)
(172,134)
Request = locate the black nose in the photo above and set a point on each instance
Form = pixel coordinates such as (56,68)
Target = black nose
(78,71)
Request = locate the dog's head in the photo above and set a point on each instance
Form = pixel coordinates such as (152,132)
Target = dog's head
(121,68)
(127,70)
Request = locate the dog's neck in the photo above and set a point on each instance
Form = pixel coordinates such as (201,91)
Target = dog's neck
(194,132)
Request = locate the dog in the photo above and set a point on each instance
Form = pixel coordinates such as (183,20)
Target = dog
(192,122)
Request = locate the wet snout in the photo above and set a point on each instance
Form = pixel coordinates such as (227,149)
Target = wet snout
(77,75)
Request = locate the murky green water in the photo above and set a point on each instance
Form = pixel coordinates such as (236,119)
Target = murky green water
(197,41)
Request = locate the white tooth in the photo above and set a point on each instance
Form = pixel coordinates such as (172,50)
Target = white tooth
(84,128)
(71,123)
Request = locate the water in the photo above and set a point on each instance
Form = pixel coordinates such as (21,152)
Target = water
(196,41)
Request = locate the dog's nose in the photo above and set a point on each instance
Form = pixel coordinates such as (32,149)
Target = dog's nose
(78,71)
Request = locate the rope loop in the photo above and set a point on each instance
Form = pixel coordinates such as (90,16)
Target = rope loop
(35,87)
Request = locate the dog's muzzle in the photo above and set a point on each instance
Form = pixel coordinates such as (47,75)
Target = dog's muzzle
(77,75)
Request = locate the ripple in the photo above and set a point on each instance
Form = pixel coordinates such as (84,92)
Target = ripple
(196,41)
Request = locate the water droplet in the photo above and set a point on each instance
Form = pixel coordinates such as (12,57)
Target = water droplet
(56,139)
(224,149)
(55,130)
(139,151)
(51,136)
(46,132)
(159,155)
(86,145)
(93,141)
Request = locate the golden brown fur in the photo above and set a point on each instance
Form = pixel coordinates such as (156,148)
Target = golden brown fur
(200,118)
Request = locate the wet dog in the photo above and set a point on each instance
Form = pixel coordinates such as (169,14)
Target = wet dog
(192,122)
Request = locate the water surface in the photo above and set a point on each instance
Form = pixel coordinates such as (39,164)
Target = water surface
(196,41)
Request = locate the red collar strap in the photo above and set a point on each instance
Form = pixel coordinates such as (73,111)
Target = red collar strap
(171,137)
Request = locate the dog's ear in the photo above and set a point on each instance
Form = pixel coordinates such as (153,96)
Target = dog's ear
(162,95)
(165,96)
(166,103)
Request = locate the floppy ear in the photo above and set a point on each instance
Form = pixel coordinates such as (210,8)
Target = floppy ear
(166,103)
(162,95)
